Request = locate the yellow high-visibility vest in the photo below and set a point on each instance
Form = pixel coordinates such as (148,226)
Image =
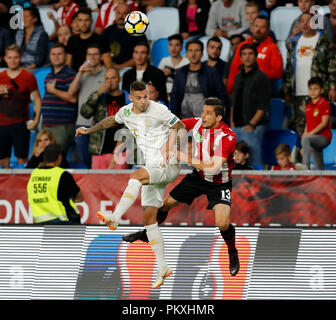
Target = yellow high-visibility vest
(42,195)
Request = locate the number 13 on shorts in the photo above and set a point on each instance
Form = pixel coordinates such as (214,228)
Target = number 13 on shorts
(226,194)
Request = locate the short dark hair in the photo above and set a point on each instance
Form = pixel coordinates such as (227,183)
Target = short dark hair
(138,86)
(142,43)
(177,37)
(196,41)
(85,10)
(35,12)
(94,45)
(241,37)
(243,147)
(57,45)
(52,152)
(263,17)
(315,80)
(304,13)
(216,39)
(248,46)
(217,104)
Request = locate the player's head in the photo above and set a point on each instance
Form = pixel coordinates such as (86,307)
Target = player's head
(283,153)
(242,152)
(139,96)
(213,113)
(315,87)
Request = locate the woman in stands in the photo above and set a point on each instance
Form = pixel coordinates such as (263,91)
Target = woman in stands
(43,139)
(193,18)
(32,40)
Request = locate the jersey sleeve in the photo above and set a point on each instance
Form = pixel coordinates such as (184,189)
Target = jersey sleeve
(325,108)
(168,118)
(190,123)
(119,116)
(226,147)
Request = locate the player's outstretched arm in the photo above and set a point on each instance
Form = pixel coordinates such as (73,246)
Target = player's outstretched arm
(101,125)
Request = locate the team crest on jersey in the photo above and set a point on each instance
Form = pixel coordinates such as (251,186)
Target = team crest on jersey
(315,112)
(127,112)
(198,137)
(148,122)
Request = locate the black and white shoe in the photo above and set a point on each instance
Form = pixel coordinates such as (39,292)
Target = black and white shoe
(234,262)
(140,235)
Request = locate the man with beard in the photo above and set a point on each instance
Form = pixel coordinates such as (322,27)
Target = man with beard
(269,57)
(120,42)
(214,49)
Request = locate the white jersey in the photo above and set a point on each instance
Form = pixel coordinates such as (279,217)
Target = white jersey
(150,129)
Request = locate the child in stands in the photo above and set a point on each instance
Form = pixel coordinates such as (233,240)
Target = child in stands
(283,154)
(241,156)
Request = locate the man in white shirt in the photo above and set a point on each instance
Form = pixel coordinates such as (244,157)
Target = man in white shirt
(169,64)
(150,123)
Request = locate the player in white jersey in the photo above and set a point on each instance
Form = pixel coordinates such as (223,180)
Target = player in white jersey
(150,123)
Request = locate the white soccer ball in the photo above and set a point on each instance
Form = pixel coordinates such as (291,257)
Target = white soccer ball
(136,23)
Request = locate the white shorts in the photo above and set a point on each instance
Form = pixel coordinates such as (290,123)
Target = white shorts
(153,194)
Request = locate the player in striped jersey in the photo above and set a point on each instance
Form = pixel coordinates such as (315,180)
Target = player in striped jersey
(214,145)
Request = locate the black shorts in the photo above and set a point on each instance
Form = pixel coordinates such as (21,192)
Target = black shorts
(16,135)
(193,186)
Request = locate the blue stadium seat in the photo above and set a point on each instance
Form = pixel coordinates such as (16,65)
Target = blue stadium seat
(159,50)
(277,114)
(48,24)
(94,15)
(40,74)
(226,48)
(329,153)
(282,19)
(283,50)
(272,138)
(163,22)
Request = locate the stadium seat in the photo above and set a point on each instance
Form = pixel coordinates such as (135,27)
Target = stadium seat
(272,138)
(94,15)
(159,50)
(329,153)
(282,19)
(40,74)
(164,21)
(48,24)
(277,114)
(283,50)
(226,48)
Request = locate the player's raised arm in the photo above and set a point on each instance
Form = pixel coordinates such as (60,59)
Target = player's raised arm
(101,125)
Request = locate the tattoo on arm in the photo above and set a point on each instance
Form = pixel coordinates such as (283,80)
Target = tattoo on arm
(103,124)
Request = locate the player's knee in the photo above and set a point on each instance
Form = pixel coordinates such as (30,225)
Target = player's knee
(223,224)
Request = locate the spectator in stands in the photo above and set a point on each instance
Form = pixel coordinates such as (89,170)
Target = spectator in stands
(59,107)
(250,102)
(5,6)
(78,44)
(241,157)
(63,34)
(5,41)
(147,5)
(74,24)
(332,16)
(317,134)
(120,42)
(102,103)
(193,16)
(214,49)
(309,54)
(283,155)
(32,40)
(89,78)
(269,5)
(269,57)
(252,10)
(174,61)
(226,17)
(153,94)
(66,11)
(306,6)
(235,40)
(43,139)
(144,71)
(195,82)
(16,87)
(107,15)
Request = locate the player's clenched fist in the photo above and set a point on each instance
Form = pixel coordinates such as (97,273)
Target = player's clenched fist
(80,131)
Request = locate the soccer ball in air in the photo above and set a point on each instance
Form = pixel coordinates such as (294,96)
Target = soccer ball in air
(136,23)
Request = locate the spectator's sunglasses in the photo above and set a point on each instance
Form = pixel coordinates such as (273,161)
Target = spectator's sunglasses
(15,85)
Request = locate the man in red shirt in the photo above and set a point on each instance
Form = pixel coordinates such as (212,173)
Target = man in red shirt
(16,86)
(214,145)
(65,12)
(317,134)
(269,57)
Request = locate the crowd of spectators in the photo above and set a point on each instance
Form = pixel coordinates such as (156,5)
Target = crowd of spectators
(93,64)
